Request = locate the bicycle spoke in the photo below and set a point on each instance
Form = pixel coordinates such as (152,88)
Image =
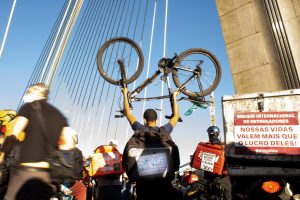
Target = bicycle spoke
(204,64)
(199,84)
(119,50)
(184,68)
(185,75)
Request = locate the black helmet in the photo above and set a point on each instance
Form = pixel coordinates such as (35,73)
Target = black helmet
(213,131)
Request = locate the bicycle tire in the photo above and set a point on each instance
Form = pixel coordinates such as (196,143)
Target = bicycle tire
(103,69)
(207,55)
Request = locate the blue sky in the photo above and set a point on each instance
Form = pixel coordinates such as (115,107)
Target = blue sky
(190,25)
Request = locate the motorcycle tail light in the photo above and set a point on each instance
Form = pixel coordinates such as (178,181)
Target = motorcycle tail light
(271,186)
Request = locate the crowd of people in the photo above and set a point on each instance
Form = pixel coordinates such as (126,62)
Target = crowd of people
(29,163)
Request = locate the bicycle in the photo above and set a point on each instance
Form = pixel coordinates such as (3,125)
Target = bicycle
(123,55)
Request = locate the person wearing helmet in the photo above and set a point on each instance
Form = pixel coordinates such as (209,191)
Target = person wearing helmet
(213,134)
(223,180)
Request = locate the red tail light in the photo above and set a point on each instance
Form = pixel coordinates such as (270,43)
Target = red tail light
(3,128)
(271,186)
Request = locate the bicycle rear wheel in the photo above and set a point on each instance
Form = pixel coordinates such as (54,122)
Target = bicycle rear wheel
(120,48)
(210,72)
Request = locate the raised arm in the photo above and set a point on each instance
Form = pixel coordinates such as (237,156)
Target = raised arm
(131,119)
(175,117)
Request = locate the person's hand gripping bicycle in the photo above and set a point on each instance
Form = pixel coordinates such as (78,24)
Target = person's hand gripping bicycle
(127,106)
(174,118)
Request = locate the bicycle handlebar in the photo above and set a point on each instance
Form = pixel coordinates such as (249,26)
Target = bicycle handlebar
(170,116)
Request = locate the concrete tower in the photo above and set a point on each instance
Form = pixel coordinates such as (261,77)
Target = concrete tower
(263,43)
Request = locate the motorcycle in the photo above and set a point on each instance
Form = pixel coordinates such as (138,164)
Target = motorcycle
(193,188)
(203,190)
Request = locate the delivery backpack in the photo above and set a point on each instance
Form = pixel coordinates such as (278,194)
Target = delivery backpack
(106,160)
(150,155)
(209,158)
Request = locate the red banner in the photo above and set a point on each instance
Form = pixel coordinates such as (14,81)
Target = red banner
(267,133)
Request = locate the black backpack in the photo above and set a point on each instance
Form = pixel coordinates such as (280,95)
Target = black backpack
(63,173)
(150,155)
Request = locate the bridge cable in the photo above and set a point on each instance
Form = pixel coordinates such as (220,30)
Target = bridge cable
(70,59)
(7,27)
(70,51)
(140,44)
(95,76)
(86,34)
(83,78)
(164,55)
(133,37)
(42,77)
(93,82)
(104,37)
(123,27)
(79,67)
(39,65)
(64,39)
(150,51)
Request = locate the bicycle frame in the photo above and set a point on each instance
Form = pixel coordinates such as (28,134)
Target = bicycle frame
(148,81)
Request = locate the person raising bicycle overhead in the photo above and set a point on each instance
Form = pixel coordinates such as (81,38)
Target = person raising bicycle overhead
(150,115)
(152,189)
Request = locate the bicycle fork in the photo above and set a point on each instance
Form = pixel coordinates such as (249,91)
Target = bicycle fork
(122,82)
(123,73)
(196,73)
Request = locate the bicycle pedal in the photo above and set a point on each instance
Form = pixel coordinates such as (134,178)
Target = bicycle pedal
(119,116)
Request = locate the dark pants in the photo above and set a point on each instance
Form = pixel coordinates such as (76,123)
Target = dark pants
(19,176)
(155,190)
(225,183)
(127,191)
(112,192)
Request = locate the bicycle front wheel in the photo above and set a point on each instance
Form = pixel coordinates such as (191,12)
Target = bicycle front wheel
(120,48)
(208,78)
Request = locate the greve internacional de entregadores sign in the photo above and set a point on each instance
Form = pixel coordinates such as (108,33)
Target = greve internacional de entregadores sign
(267,133)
